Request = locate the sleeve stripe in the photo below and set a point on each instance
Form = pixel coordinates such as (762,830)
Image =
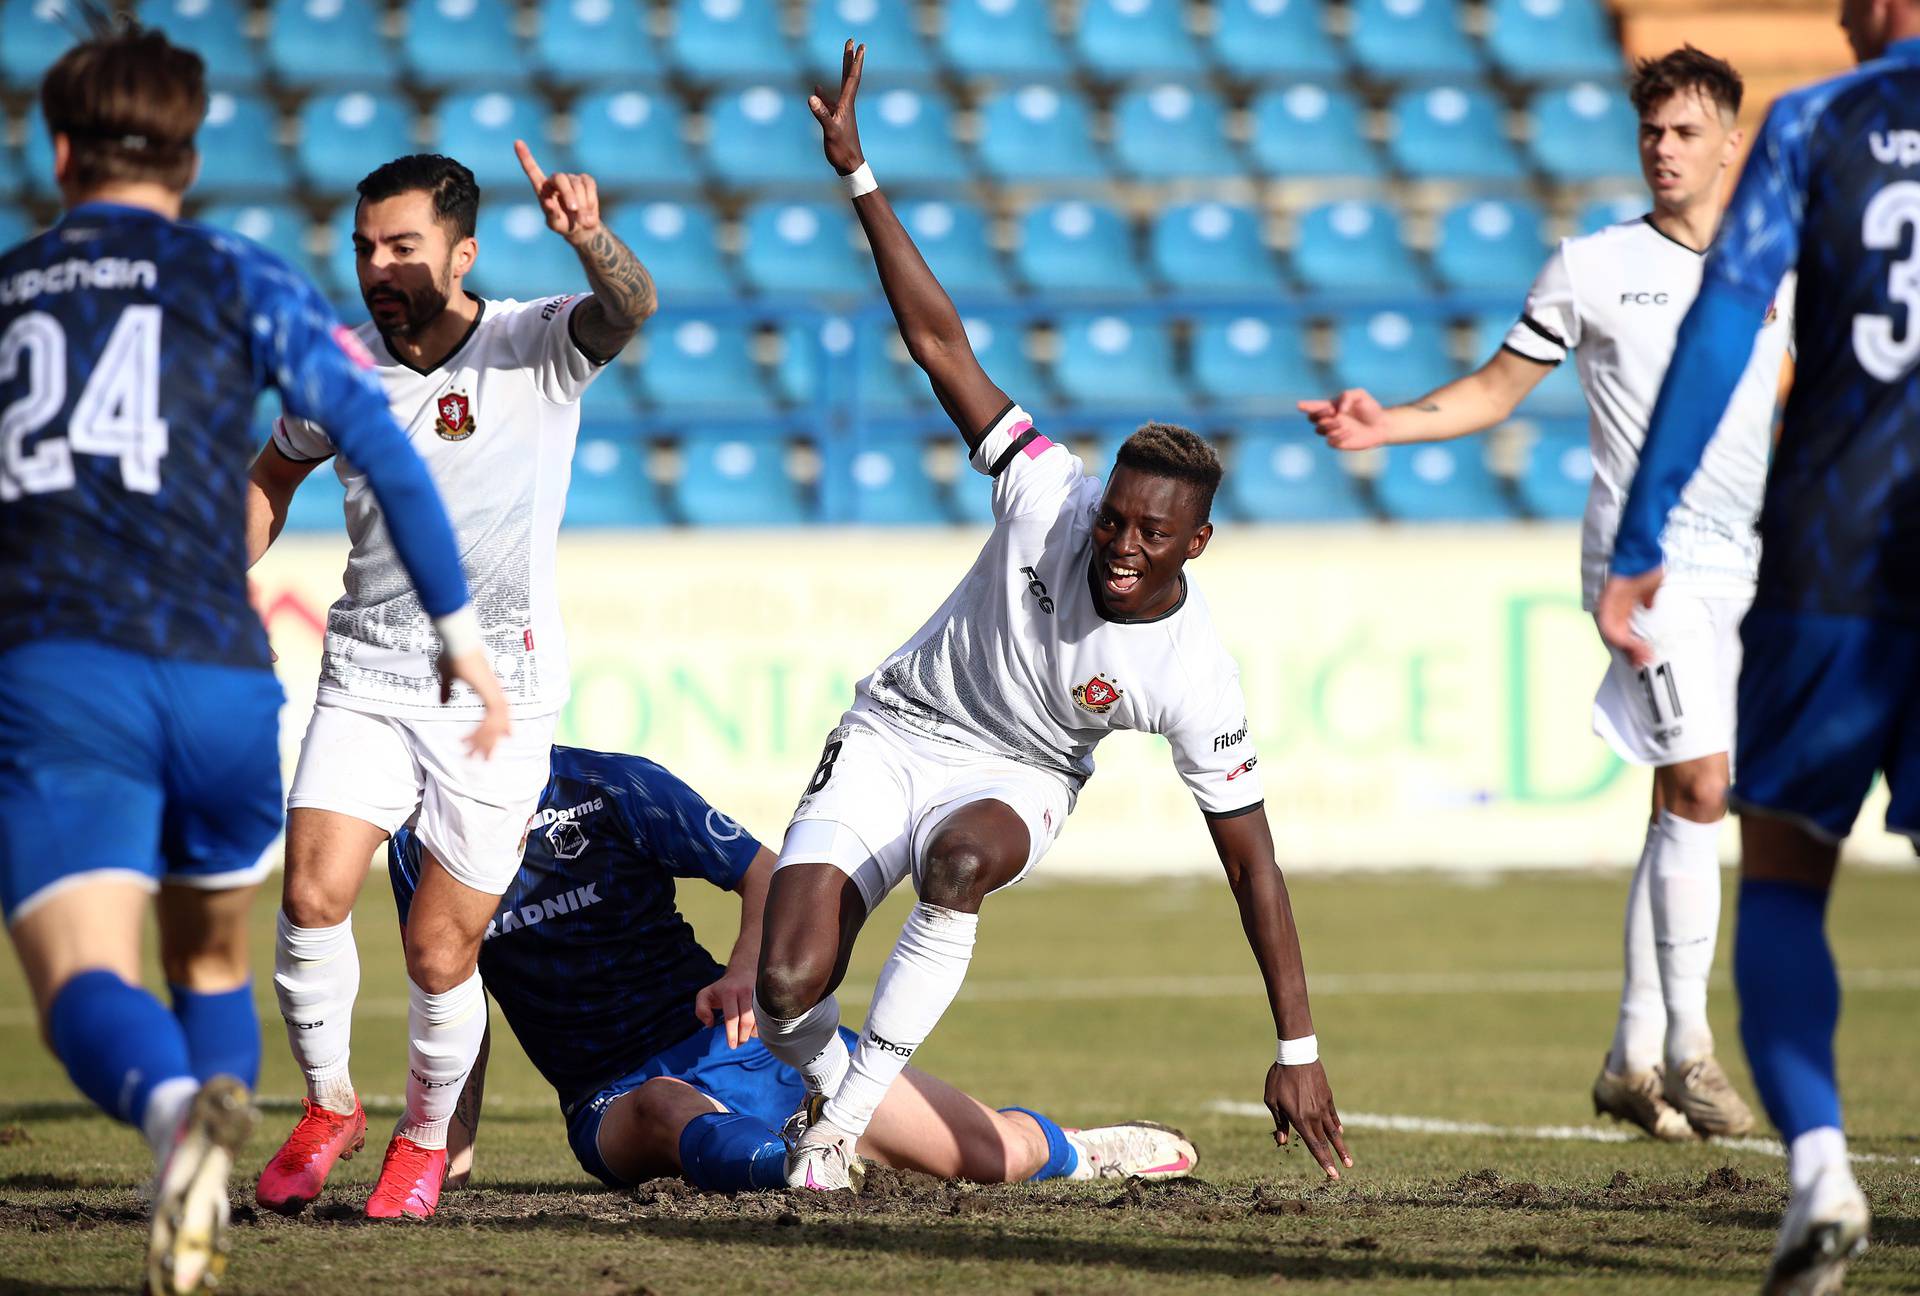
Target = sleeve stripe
(994,422)
(1020,443)
(1216,815)
(1508,346)
(573,310)
(1545,332)
(284,453)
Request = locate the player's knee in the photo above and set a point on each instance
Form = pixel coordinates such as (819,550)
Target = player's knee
(215,968)
(791,982)
(437,967)
(312,899)
(961,874)
(1698,795)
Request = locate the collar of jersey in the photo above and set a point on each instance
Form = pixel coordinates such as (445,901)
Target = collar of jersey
(446,359)
(1907,51)
(110,209)
(1100,606)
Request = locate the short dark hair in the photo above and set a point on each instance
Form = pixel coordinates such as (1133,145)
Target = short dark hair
(1686,69)
(129,103)
(1166,450)
(455,194)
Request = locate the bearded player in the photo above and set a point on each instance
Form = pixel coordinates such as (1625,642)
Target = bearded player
(964,751)
(489,392)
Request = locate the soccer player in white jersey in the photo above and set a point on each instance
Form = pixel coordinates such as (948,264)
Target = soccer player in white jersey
(488,392)
(1614,299)
(964,751)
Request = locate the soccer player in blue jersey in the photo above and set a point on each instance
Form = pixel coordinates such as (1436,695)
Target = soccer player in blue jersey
(139,744)
(649,1041)
(1832,645)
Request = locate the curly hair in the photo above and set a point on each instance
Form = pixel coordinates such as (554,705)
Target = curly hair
(1686,69)
(1167,450)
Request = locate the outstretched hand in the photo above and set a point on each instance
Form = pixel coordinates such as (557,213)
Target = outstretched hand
(840,132)
(1618,601)
(570,201)
(1353,420)
(1298,1096)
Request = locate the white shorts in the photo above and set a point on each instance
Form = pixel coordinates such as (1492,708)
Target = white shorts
(385,769)
(878,795)
(1681,707)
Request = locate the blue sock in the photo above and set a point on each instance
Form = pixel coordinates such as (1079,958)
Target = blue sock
(222,1030)
(1789,1003)
(117,1042)
(728,1152)
(1062,1157)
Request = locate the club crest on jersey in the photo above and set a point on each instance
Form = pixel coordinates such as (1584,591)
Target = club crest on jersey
(1097,695)
(456,417)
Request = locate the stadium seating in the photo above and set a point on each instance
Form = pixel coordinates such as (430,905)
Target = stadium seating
(11,181)
(592,42)
(952,236)
(1290,476)
(15,227)
(334,43)
(1213,248)
(1078,248)
(1117,360)
(479,127)
(730,41)
(520,257)
(738,482)
(1452,132)
(611,486)
(1311,130)
(632,139)
(993,39)
(216,29)
(1168,132)
(1394,356)
(37,33)
(882,25)
(814,368)
(701,364)
(278,227)
(889,483)
(1542,40)
(1354,249)
(36,154)
(1117,39)
(1038,133)
(345,135)
(1602,212)
(1490,245)
(1403,40)
(907,134)
(1000,344)
(803,248)
(1254,361)
(238,152)
(1585,132)
(1445,482)
(764,135)
(1558,471)
(679,244)
(454,43)
(1271,40)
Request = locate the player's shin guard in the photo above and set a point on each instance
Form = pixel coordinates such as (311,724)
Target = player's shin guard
(443,1039)
(1643,1014)
(316,976)
(1062,1158)
(1686,921)
(809,1043)
(125,1051)
(728,1152)
(921,977)
(1789,1003)
(222,1031)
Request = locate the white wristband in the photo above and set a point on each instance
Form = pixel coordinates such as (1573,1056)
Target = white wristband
(1299,1052)
(459,631)
(860,181)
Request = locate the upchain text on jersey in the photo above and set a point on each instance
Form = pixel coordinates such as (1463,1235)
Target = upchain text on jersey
(1831,191)
(1615,298)
(1023,661)
(496,423)
(587,956)
(132,351)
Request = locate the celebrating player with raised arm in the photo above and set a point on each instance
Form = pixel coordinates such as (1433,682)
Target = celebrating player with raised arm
(138,717)
(1827,693)
(1614,299)
(964,751)
(489,391)
(650,1043)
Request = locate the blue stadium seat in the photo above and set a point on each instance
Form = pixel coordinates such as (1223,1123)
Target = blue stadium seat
(454,43)
(36,155)
(738,482)
(338,275)
(1132,38)
(1000,39)
(216,30)
(1168,132)
(1254,360)
(908,136)
(833,361)
(11,181)
(1396,357)
(611,404)
(319,506)
(1558,472)
(764,135)
(802,248)
(696,363)
(37,33)
(1000,344)
(1311,130)
(592,42)
(679,243)
(1355,249)
(15,226)
(629,139)
(1038,133)
(1403,40)
(1115,359)
(1558,394)
(1544,40)
(1602,212)
(328,43)
(1445,482)
(1274,40)
(239,149)
(953,238)
(611,486)
(345,135)
(278,227)
(1077,247)
(1210,247)
(1490,245)
(1452,132)
(1290,476)
(1585,132)
(479,128)
(890,484)
(885,26)
(520,257)
(730,40)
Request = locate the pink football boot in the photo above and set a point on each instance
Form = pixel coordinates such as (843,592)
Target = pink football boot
(410,1180)
(300,1168)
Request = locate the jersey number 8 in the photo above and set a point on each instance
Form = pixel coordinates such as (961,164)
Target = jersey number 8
(117,415)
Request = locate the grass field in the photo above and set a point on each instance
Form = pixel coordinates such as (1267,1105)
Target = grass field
(1481,1001)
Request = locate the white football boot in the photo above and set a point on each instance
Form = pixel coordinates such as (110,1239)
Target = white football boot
(1132,1150)
(1700,1091)
(820,1158)
(187,1244)
(1636,1097)
(1826,1226)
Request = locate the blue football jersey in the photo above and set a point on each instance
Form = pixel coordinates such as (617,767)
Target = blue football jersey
(587,956)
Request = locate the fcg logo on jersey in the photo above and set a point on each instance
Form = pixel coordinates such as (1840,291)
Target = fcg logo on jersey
(456,417)
(1097,695)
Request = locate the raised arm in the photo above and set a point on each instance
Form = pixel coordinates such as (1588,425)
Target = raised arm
(928,322)
(1354,420)
(623,295)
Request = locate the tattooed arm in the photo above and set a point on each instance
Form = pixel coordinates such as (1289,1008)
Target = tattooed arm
(1354,420)
(623,295)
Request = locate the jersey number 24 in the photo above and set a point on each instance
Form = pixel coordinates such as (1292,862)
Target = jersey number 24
(117,415)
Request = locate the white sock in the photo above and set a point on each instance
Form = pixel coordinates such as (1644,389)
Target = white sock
(1813,1152)
(1686,921)
(1643,1014)
(443,1039)
(809,1043)
(167,1105)
(316,976)
(921,977)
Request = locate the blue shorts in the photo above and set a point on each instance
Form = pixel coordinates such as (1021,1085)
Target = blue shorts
(1827,702)
(748,1080)
(115,763)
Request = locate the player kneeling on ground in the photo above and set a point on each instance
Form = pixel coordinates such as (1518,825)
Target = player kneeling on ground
(650,1042)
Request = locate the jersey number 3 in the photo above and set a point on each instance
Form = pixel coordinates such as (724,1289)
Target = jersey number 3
(117,415)
(1893,210)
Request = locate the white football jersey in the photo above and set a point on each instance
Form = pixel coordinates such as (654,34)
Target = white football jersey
(1615,298)
(496,424)
(1022,661)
